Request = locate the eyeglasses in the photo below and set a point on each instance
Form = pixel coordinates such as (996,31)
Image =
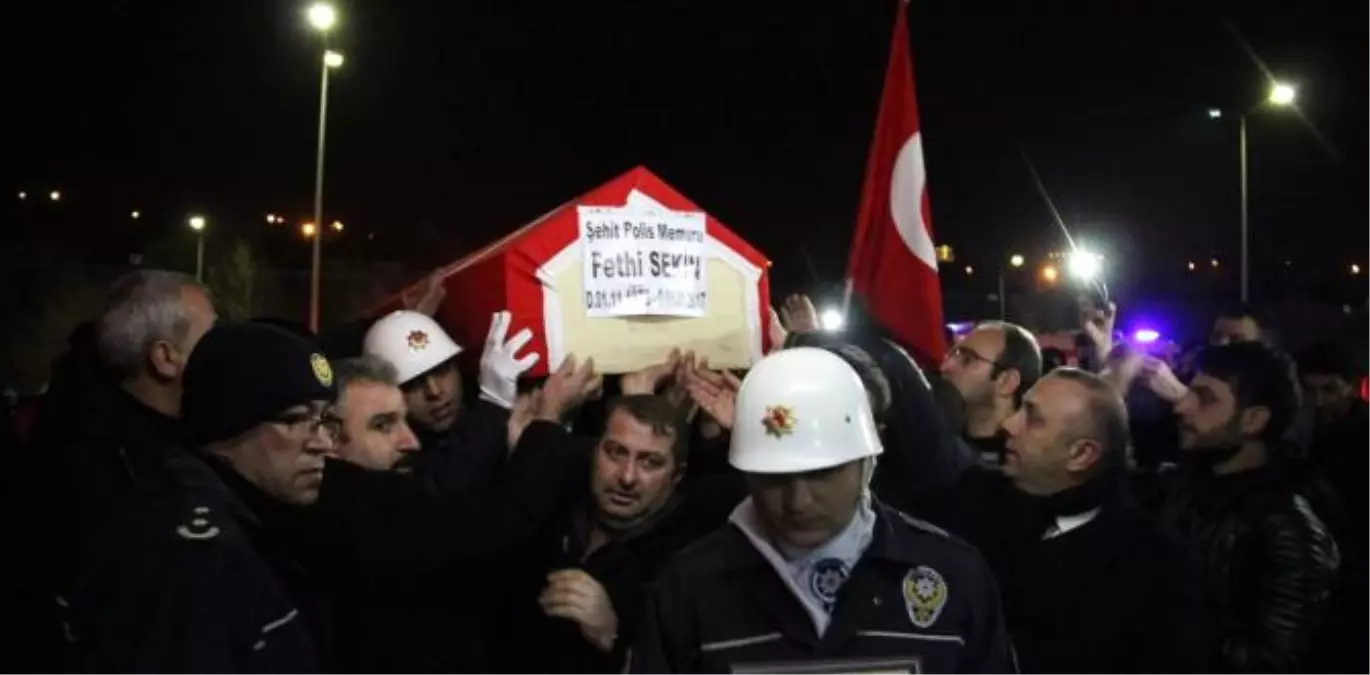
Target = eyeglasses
(305,424)
(966,356)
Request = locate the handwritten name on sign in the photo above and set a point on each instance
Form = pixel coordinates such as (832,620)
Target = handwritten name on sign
(643,262)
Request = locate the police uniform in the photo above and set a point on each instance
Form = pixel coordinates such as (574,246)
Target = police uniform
(199,577)
(191,583)
(918,601)
(886,593)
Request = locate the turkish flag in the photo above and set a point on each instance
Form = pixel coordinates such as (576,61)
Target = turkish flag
(892,267)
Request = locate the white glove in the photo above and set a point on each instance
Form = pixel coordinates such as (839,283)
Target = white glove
(499,370)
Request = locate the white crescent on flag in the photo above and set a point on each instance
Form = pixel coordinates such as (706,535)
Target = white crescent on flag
(907,182)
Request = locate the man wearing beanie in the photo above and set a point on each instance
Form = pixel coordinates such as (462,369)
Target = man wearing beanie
(200,580)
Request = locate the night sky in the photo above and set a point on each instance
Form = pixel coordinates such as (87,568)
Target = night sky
(453,122)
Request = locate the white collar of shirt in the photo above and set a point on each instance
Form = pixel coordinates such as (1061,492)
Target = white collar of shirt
(1065,524)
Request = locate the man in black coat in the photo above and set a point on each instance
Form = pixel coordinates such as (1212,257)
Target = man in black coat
(1268,561)
(201,577)
(579,594)
(411,576)
(1090,583)
(104,430)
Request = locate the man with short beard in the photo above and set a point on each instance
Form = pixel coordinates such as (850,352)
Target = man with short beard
(1268,561)
(992,367)
(580,598)
(375,427)
(462,442)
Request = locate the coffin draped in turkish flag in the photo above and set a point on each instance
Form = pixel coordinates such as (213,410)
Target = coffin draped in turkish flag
(535,273)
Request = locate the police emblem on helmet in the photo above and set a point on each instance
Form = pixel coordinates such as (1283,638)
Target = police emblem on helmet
(779,420)
(925,594)
(417,340)
(322,370)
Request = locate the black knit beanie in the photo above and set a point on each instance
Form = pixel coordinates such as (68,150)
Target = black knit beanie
(241,375)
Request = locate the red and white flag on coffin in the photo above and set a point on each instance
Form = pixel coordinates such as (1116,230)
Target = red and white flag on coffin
(893,263)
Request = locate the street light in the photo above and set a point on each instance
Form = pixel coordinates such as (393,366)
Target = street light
(55,195)
(1050,274)
(1281,94)
(1191,266)
(135,215)
(23,195)
(1355,269)
(1214,113)
(322,17)
(197,223)
(1015,261)
(1214,263)
(969,270)
(337,226)
(308,230)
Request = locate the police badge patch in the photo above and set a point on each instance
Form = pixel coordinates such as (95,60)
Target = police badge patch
(322,371)
(925,594)
(825,579)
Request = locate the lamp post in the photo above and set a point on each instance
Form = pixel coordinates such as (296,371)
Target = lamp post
(197,223)
(1015,261)
(1281,94)
(322,17)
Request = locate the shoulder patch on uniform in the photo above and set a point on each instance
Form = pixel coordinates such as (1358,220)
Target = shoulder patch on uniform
(919,524)
(197,527)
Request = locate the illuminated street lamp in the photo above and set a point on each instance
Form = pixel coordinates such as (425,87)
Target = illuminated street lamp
(1191,266)
(308,230)
(1015,261)
(1355,269)
(1214,263)
(1050,274)
(337,226)
(55,195)
(322,16)
(135,215)
(197,223)
(1281,94)
(23,195)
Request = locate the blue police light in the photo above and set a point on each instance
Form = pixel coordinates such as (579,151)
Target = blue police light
(1146,336)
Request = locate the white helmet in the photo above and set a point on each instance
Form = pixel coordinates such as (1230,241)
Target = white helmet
(412,342)
(800,410)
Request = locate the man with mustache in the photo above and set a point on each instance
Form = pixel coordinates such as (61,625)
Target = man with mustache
(1268,561)
(375,425)
(462,445)
(202,578)
(580,597)
(812,574)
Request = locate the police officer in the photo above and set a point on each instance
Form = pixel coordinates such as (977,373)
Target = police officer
(811,573)
(199,579)
(462,443)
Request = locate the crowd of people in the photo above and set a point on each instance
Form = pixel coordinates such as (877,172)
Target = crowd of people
(200,494)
